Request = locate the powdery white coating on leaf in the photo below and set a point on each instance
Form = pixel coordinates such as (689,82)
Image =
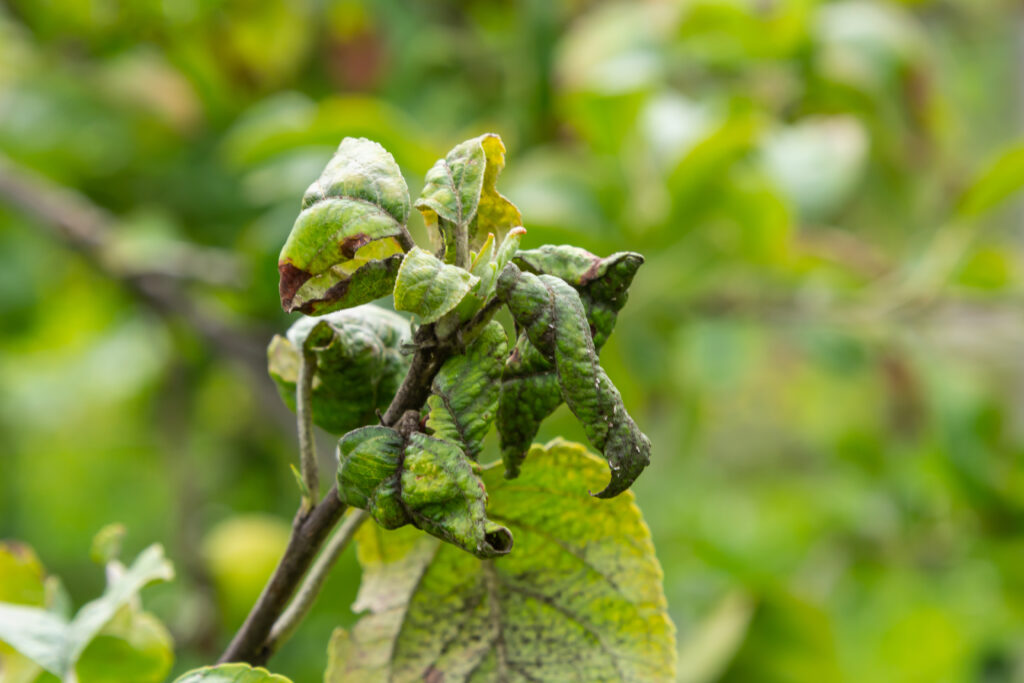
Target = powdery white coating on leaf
(580,598)
(429,287)
(344,248)
(359,364)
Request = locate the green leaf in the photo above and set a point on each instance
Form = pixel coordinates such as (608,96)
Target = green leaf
(580,599)
(22,578)
(56,644)
(359,364)
(429,287)
(422,481)
(346,245)
(602,283)
(230,673)
(554,320)
(460,202)
(106,544)
(465,391)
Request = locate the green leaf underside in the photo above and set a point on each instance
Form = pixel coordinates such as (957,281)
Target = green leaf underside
(460,196)
(580,599)
(554,321)
(359,364)
(429,287)
(230,673)
(529,391)
(343,250)
(465,390)
(423,481)
(58,645)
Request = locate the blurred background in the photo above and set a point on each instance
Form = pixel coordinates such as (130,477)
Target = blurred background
(826,344)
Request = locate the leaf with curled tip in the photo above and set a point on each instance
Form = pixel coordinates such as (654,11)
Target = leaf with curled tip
(429,287)
(359,364)
(555,323)
(580,599)
(460,202)
(231,673)
(423,481)
(465,391)
(602,283)
(347,244)
(529,391)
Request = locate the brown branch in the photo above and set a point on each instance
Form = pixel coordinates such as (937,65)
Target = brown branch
(90,230)
(309,531)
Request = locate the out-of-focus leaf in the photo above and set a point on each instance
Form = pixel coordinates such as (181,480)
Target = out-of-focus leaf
(783,625)
(465,391)
(136,648)
(1000,181)
(579,599)
(359,364)
(423,481)
(345,248)
(817,162)
(57,645)
(429,287)
(230,673)
(460,201)
(240,554)
(21,575)
(106,544)
(554,320)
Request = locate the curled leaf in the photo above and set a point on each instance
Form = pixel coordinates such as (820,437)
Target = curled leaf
(602,283)
(583,601)
(423,481)
(346,245)
(555,323)
(529,391)
(465,391)
(429,287)
(460,201)
(359,364)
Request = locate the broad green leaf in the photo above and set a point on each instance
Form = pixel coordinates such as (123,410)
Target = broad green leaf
(465,391)
(359,364)
(22,578)
(429,287)
(230,673)
(579,599)
(423,481)
(346,245)
(555,323)
(460,202)
(57,645)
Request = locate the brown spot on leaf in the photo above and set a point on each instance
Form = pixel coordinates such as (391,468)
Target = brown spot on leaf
(291,279)
(350,245)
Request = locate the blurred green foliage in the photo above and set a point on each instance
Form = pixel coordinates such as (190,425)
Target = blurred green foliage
(824,344)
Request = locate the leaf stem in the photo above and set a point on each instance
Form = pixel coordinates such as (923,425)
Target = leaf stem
(314,582)
(307,440)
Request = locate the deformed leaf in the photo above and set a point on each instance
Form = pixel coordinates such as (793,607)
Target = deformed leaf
(580,599)
(423,481)
(465,391)
(429,287)
(346,245)
(57,645)
(460,202)
(602,283)
(359,364)
(553,319)
(230,673)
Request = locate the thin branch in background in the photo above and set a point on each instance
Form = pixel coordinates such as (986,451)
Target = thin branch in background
(90,230)
(306,596)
